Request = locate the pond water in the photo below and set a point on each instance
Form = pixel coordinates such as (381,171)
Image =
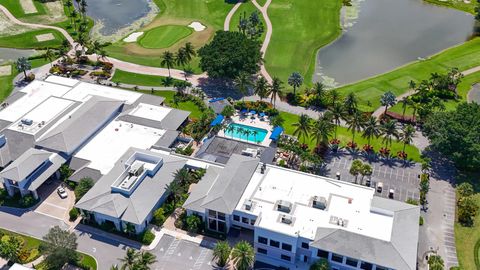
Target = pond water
(114,15)
(9,55)
(380,35)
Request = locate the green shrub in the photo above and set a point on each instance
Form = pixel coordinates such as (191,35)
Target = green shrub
(412,201)
(3,194)
(27,201)
(73,214)
(420,222)
(147,237)
(83,187)
(159,217)
(193,223)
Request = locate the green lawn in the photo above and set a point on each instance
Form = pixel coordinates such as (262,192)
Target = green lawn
(28,40)
(344,135)
(16,9)
(195,112)
(450,105)
(464,56)
(126,77)
(456,4)
(300,29)
(164,36)
(6,82)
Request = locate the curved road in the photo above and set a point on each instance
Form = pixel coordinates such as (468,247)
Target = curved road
(226,24)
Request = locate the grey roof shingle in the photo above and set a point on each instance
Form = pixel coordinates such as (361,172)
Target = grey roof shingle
(167,139)
(83,123)
(136,207)
(220,190)
(25,164)
(172,121)
(399,253)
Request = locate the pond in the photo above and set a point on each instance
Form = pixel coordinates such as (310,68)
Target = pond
(380,35)
(9,55)
(113,15)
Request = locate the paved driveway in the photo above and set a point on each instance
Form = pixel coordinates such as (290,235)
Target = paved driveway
(52,205)
(403,178)
(178,254)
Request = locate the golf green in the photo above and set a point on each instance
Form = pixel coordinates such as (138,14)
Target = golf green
(164,36)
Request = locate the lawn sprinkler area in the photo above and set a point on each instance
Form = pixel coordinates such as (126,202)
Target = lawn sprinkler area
(248,128)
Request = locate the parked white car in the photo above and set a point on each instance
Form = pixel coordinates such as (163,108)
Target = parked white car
(62,192)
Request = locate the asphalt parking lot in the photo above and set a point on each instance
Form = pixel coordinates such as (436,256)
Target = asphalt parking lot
(174,253)
(402,178)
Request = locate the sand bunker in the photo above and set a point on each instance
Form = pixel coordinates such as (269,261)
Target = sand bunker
(5,70)
(198,27)
(133,37)
(28,6)
(45,37)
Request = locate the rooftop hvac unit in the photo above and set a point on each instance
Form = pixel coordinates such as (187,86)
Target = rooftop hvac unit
(27,122)
(248,205)
(286,219)
(136,169)
(319,202)
(284,206)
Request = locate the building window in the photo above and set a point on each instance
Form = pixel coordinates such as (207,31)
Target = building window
(322,254)
(212,224)
(286,247)
(274,243)
(222,226)
(252,221)
(212,214)
(262,240)
(337,258)
(305,245)
(380,268)
(236,218)
(245,220)
(352,262)
(285,258)
(262,251)
(221,216)
(366,266)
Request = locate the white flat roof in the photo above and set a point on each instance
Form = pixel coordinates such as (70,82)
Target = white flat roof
(151,112)
(83,90)
(344,200)
(36,92)
(42,114)
(114,140)
(62,80)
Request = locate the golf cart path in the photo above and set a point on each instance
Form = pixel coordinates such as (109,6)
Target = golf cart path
(379,111)
(268,36)
(226,24)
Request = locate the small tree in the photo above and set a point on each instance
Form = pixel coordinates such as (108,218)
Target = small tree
(193,223)
(159,217)
(10,248)
(295,80)
(388,99)
(467,210)
(221,253)
(320,264)
(65,172)
(243,256)
(59,247)
(23,65)
(464,190)
(366,170)
(356,168)
(435,262)
(228,111)
(83,187)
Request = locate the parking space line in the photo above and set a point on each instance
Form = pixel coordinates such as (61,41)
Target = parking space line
(201,259)
(172,247)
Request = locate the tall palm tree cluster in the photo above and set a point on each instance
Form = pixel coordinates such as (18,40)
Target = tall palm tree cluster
(261,87)
(179,185)
(252,27)
(77,14)
(242,255)
(242,132)
(136,260)
(320,130)
(182,58)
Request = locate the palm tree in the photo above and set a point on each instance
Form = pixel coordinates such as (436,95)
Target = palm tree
(114,267)
(231,129)
(275,89)
(415,106)
(412,84)
(221,253)
(23,64)
(175,190)
(355,123)
(319,92)
(168,60)
(255,133)
(130,259)
(243,256)
(337,113)
(322,130)
(74,15)
(295,80)
(334,95)
(405,102)
(146,259)
(83,10)
(189,51)
(181,59)
(242,82)
(49,56)
(388,99)
(129,229)
(247,133)
(351,103)
(371,129)
(261,88)
(183,176)
(302,127)
(407,135)
(389,131)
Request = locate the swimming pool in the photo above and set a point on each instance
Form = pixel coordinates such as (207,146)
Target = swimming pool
(239,131)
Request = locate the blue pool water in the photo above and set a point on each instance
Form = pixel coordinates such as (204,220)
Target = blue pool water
(237,133)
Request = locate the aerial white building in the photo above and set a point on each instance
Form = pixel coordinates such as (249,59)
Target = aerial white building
(298,218)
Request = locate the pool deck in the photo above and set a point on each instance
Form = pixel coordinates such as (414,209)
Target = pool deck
(246,120)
